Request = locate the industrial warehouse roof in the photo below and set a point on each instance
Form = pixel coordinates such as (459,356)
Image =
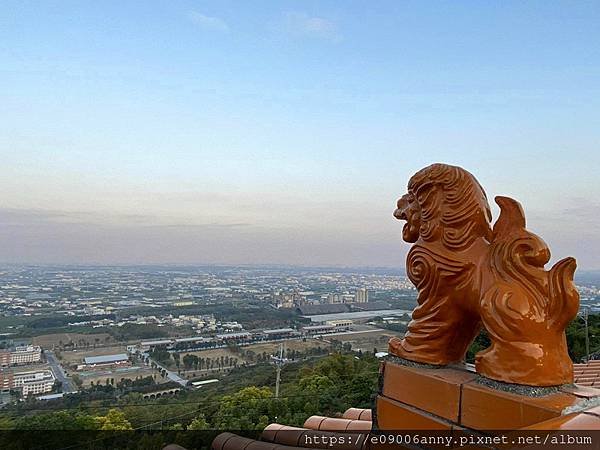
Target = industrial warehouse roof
(317,327)
(203,382)
(157,342)
(232,335)
(309,310)
(192,339)
(105,358)
(279,331)
(373,306)
(51,396)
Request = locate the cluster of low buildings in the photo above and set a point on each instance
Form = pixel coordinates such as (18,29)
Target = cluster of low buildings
(77,292)
(241,337)
(200,323)
(26,380)
(205,323)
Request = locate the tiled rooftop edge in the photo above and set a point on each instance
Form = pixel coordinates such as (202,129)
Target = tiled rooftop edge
(583,405)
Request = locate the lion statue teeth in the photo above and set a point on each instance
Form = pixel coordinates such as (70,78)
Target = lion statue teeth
(470,276)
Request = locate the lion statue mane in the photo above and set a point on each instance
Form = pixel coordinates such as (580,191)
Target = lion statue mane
(470,275)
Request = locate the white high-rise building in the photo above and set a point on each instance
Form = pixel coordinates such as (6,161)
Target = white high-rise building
(335,298)
(362,295)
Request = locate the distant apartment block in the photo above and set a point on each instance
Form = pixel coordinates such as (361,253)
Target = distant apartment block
(36,382)
(20,355)
(362,295)
(6,381)
(289,300)
(30,382)
(332,299)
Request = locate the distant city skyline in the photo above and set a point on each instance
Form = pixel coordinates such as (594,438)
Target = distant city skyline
(231,132)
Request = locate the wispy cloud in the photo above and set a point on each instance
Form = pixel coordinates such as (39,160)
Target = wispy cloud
(14,217)
(25,217)
(302,24)
(209,23)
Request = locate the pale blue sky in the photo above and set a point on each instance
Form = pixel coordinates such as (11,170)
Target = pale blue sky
(284,131)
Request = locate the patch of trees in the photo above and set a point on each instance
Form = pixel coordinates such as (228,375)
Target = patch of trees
(133,331)
(141,382)
(576,338)
(244,399)
(161,356)
(199,363)
(62,321)
(332,385)
(481,342)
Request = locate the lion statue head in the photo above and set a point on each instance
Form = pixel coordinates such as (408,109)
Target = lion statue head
(444,203)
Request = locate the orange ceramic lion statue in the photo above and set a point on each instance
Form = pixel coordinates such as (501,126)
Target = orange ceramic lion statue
(471,276)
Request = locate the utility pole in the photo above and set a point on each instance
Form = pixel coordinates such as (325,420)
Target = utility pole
(279,362)
(587,335)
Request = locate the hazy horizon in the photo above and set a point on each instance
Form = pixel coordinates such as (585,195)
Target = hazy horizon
(282,133)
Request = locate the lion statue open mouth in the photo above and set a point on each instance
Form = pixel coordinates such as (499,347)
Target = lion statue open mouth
(470,275)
